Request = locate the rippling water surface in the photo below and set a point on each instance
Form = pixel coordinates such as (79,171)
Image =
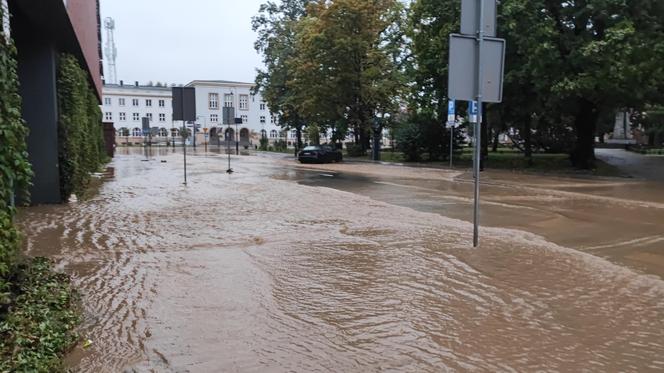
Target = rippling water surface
(255,272)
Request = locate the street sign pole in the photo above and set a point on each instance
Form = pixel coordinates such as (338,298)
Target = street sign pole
(451,145)
(477,43)
(478,124)
(184,109)
(228,148)
(184,149)
(228,117)
(451,121)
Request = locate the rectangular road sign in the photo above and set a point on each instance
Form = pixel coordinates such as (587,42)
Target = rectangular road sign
(462,79)
(145,121)
(472,111)
(228,115)
(451,112)
(184,103)
(469,17)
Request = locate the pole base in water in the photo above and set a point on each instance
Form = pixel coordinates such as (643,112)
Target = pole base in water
(229,171)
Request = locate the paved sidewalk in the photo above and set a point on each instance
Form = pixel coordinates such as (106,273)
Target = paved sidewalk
(650,167)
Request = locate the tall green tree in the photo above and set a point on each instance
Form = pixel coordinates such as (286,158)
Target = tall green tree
(275,25)
(609,55)
(429,24)
(347,70)
(569,63)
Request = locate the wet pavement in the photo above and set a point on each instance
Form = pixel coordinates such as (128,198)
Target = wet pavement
(648,167)
(357,268)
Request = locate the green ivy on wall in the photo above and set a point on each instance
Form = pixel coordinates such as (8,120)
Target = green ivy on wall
(15,170)
(80,132)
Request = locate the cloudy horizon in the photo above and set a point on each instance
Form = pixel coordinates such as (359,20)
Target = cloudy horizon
(170,41)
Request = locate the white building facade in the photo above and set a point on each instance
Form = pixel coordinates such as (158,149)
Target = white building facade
(126,105)
(213,95)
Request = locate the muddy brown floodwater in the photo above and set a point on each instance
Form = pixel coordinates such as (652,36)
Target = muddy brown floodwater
(357,268)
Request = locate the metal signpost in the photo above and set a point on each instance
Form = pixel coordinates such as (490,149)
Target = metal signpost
(237,136)
(228,117)
(146,136)
(476,46)
(451,122)
(184,109)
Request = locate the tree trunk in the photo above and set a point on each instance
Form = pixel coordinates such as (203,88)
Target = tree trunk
(484,143)
(527,142)
(298,146)
(496,138)
(585,123)
(485,139)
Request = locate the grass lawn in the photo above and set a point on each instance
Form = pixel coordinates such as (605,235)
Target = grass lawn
(512,159)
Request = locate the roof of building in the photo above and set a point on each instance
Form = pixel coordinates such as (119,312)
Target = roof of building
(215,82)
(141,87)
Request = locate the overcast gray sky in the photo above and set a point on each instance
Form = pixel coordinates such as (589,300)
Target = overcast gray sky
(177,41)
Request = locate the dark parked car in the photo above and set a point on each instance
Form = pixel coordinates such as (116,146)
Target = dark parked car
(319,154)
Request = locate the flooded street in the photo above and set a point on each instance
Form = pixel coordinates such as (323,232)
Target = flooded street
(357,267)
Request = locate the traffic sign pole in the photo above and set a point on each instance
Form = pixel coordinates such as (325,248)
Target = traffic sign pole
(451,145)
(478,125)
(451,122)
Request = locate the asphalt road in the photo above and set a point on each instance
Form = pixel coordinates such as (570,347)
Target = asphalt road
(649,167)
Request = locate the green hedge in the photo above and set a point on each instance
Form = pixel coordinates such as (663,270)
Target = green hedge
(80,132)
(42,322)
(15,171)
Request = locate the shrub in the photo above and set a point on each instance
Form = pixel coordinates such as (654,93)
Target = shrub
(409,142)
(264,143)
(355,150)
(15,171)
(80,133)
(40,326)
(313,133)
(280,146)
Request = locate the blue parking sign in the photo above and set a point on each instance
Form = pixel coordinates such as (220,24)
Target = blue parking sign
(451,112)
(472,111)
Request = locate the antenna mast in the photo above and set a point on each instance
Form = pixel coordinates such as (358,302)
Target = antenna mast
(110,50)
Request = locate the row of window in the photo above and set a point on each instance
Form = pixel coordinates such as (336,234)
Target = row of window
(136,117)
(274,134)
(214,118)
(213,101)
(108,101)
(137,132)
(163,132)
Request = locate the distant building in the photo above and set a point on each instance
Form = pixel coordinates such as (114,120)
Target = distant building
(126,105)
(213,95)
(42,30)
